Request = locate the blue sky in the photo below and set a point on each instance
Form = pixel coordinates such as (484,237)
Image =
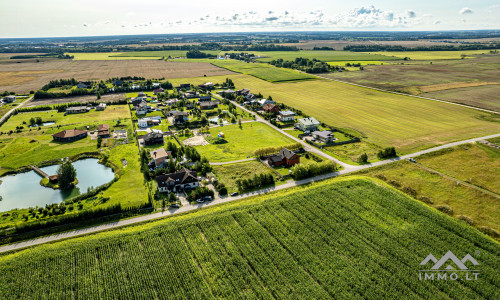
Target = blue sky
(28,18)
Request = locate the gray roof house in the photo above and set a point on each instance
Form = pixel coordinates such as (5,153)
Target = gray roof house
(308,124)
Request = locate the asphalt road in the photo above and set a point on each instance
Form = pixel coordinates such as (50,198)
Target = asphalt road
(12,110)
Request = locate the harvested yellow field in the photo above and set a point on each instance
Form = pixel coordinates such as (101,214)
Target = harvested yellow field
(452,85)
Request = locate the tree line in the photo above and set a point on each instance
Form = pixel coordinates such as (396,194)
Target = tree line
(390,48)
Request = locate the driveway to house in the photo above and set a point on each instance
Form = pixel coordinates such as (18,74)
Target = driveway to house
(190,207)
(12,110)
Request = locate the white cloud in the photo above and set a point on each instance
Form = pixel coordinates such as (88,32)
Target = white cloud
(411,14)
(465,11)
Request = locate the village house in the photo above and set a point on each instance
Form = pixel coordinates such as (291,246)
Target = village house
(141,94)
(77,109)
(117,82)
(9,99)
(185,86)
(242,92)
(103,130)
(159,158)
(271,108)
(180,117)
(101,106)
(323,136)
(149,121)
(153,138)
(308,124)
(137,100)
(209,105)
(205,98)
(263,102)
(286,116)
(157,91)
(207,86)
(190,95)
(183,179)
(142,108)
(69,135)
(84,85)
(171,102)
(284,157)
(226,93)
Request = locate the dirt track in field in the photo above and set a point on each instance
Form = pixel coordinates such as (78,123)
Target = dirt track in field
(24,75)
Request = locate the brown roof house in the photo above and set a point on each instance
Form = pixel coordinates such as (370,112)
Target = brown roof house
(271,108)
(103,131)
(69,135)
(209,105)
(284,157)
(177,181)
(159,158)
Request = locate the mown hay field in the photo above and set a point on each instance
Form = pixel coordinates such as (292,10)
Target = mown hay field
(433,55)
(347,238)
(386,119)
(325,56)
(28,76)
(262,70)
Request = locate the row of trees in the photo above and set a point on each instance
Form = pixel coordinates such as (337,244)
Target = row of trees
(376,48)
(305,170)
(304,64)
(387,153)
(272,150)
(258,180)
(199,54)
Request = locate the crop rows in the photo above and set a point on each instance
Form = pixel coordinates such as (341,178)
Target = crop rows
(350,239)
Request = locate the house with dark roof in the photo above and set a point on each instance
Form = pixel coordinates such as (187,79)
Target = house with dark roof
(118,82)
(69,135)
(226,93)
(209,105)
(153,138)
(271,108)
(324,136)
(177,181)
(186,86)
(9,99)
(180,117)
(284,157)
(206,86)
(242,92)
(84,85)
(103,130)
(159,90)
(205,98)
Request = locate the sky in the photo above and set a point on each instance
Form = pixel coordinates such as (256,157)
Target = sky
(56,18)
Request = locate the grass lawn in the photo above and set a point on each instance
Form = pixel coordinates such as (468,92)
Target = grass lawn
(228,174)
(351,152)
(241,143)
(482,208)
(129,190)
(478,162)
(262,70)
(407,123)
(431,55)
(338,237)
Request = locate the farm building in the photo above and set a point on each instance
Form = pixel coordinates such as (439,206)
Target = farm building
(284,157)
(308,124)
(323,136)
(159,158)
(69,135)
(101,106)
(153,138)
(271,108)
(84,85)
(286,116)
(77,109)
(178,181)
(103,131)
(209,105)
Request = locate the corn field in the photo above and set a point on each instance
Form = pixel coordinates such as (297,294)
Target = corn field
(346,239)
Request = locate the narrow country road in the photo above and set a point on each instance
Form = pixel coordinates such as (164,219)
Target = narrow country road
(191,207)
(13,109)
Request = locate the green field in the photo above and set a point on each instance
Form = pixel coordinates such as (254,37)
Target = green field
(362,62)
(482,208)
(228,174)
(262,70)
(241,143)
(386,119)
(341,239)
(477,163)
(326,56)
(432,55)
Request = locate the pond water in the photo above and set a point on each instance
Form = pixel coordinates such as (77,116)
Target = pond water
(44,124)
(24,190)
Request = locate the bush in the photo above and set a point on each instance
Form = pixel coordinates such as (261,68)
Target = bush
(445,209)
(394,183)
(301,171)
(200,193)
(410,191)
(387,153)
(426,199)
(466,219)
(381,177)
(490,231)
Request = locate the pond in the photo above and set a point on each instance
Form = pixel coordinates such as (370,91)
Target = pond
(23,190)
(44,124)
